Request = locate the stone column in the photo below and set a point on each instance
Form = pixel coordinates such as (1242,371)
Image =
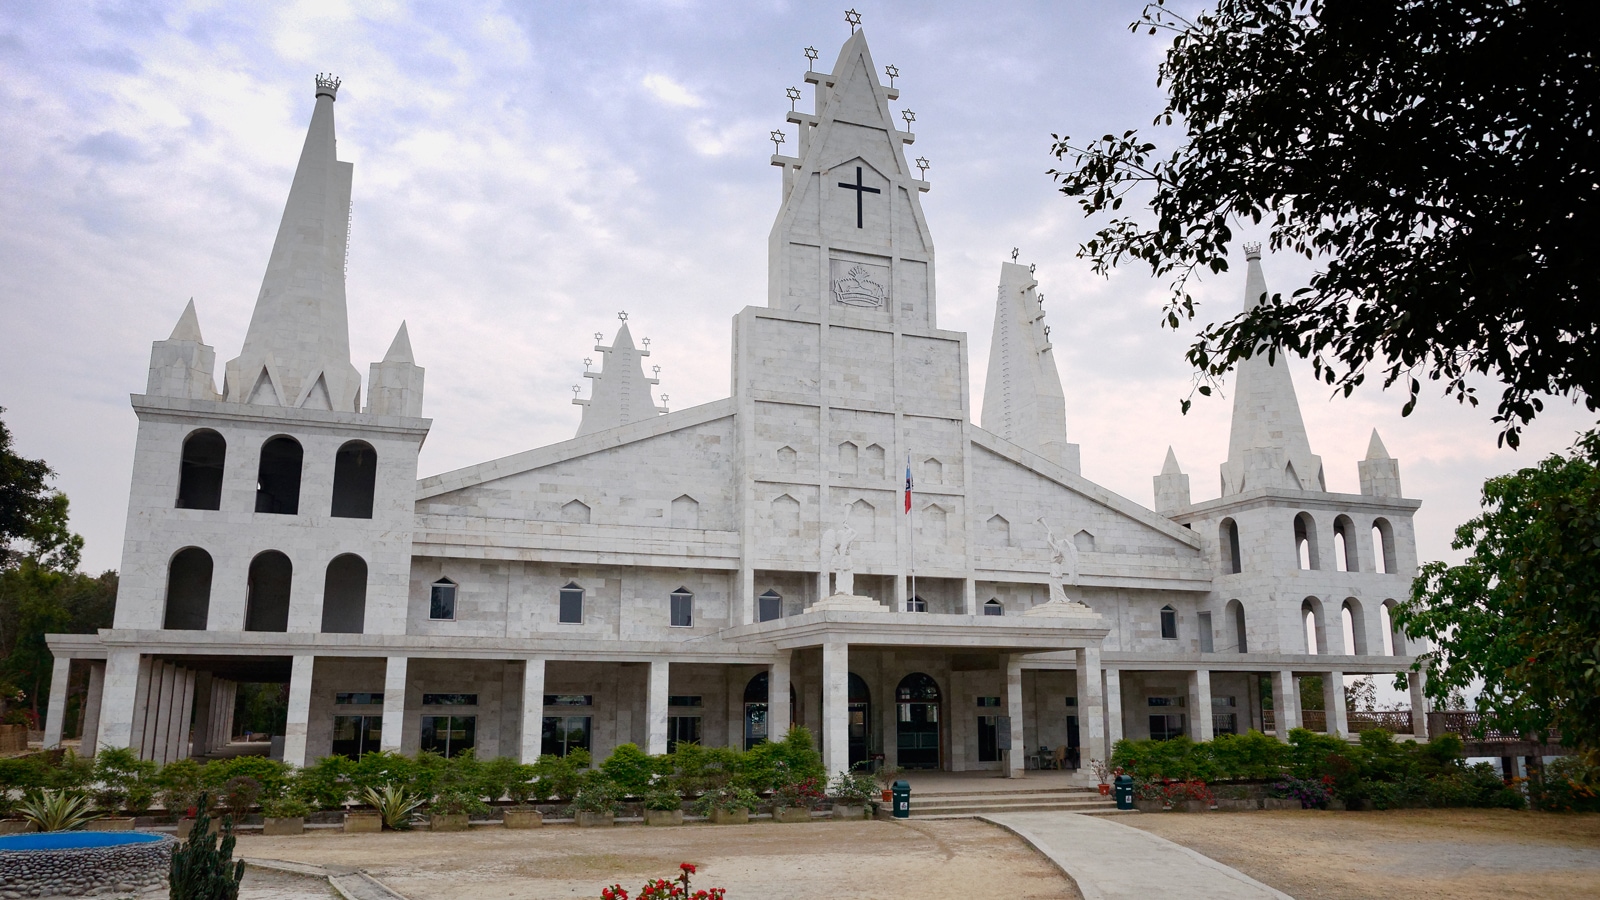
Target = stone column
(298,725)
(736,681)
(656,708)
(55,710)
(532,710)
(205,710)
(969,596)
(1419,704)
(1201,727)
(835,707)
(230,698)
(90,742)
(1091,706)
(778,711)
(394,703)
(747,607)
(1017,756)
(1285,703)
(127,698)
(161,692)
(1113,707)
(1333,702)
(178,734)
(888,708)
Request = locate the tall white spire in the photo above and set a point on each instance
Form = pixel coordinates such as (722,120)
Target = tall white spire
(1172,486)
(297,350)
(1267,447)
(1380,473)
(394,384)
(1022,397)
(183,364)
(621,391)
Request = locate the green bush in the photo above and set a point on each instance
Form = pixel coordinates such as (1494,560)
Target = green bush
(1567,785)
(273,775)
(179,787)
(694,769)
(19,775)
(663,799)
(503,776)
(325,784)
(380,770)
(774,764)
(595,793)
(123,781)
(285,808)
(632,770)
(560,776)
(729,798)
(69,771)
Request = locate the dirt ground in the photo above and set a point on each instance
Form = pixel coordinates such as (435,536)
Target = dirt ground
(937,860)
(1421,854)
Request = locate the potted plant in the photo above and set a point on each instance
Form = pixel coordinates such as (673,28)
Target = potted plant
(1102,773)
(122,782)
(663,806)
(284,816)
(521,784)
(1189,796)
(727,805)
(851,792)
(887,775)
(594,803)
(180,793)
(451,810)
(391,807)
(792,801)
(1148,796)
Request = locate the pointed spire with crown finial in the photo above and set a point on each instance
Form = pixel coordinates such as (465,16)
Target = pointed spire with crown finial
(1380,473)
(1022,397)
(1172,486)
(621,391)
(394,385)
(297,349)
(183,364)
(1267,445)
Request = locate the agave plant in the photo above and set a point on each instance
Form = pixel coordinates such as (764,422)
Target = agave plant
(393,804)
(57,810)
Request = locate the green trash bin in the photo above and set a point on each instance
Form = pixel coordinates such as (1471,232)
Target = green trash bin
(902,799)
(1122,789)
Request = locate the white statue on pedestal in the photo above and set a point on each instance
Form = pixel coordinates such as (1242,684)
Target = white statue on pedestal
(1063,565)
(844,570)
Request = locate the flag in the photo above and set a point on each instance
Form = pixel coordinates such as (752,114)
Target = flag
(908,483)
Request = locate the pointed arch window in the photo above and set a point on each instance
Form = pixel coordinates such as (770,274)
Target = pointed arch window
(992,607)
(1169,623)
(442,599)
(571,612)
(769,606)
(682,603)
(916,605)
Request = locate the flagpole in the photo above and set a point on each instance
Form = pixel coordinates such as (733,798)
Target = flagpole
(911,523)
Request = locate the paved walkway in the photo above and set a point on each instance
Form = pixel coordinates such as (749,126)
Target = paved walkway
(1111,861)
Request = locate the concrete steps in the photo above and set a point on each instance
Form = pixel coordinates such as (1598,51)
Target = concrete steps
(945,804)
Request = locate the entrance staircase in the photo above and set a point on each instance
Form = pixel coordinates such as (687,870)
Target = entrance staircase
(935,803)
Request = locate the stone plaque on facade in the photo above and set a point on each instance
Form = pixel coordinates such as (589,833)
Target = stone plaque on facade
(858,284)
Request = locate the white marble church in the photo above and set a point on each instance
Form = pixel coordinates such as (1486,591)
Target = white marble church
(721,573)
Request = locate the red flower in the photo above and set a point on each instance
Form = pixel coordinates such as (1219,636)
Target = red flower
(687,867)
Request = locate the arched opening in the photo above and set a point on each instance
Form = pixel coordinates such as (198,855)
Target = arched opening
(1305,541)
(685,512)
(917,701)
(571,600)
(1315,626)
(1345,558)
(1235,613)
(344,595)
(787,460)
(934,525)
(932,471)
(993,607)
(267,592)
(200,472)
(872,461)
(785,516)
(1355,627)
(769,606)
(355,479)
(1228,540)
(575,512)
(1394,641)
(849,459)
(1169,623)
(188,590)
(755,710)
(278,477)
(916,604)
(1383,547)
(860,719)
(681,612)
(999,531)
(442,599)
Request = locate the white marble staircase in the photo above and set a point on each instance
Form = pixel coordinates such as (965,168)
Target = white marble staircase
(935,803)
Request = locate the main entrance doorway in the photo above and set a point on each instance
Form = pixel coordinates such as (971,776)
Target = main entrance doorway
(860,720)
(755,710)
(917,722)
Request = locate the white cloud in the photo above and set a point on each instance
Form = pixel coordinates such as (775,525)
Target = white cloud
(670,92)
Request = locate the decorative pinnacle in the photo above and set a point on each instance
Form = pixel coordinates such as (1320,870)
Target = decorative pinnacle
(923,166)
(777,140)
(1015,252)
(893,71)
(598,337)
(1252,250)
(909,116)
(587,363)
(811,57)
(1032,267)
(623,316)
(646,343)
(794,97)
(655,370)
(576,391)
(327,84)
(854,18)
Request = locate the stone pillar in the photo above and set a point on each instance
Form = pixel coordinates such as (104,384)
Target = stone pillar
(1017,756)
(969,596)
(1285,703)
(1333,702)
(178,734)
(1419,704)
(90,742)
(296,728)
(394,704)
(1113,702)
(736,682)
(230,700)
(747,608)
(901,592)
(835,707)
(161,694)
(1091,706)
(127,699)
(1201,727)
(205,708)
(55,711)
(888,709)
(532,710)
(656,708)
(778,711)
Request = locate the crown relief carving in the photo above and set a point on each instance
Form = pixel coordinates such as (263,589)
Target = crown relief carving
(857,288)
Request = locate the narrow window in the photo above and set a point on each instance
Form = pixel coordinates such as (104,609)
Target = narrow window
(344,595)
(564,734)
(188,590)
(769,606)
(1383,547)
(278,477)
(449,735)
(1232,562)
(1344,545)
(571,605)
(992,607)
(568,699)
(1169,623)
(682,608)
(1305,542)
(200,474)
(849,459)
(1207,639)
(442,599)
(916,604)
(267,592)
(356,736)
(355,478)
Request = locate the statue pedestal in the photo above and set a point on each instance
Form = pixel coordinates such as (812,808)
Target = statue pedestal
(1060,609)
(851,602)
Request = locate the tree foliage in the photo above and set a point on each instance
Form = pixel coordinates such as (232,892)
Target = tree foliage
(1438,156)
(1522,614)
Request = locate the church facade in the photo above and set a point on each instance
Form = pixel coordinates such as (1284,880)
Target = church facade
(836,545)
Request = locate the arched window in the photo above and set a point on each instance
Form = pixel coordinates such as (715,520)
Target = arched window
(571,604)
(992,607)
(917,702)
(999,531)
(575,512)
(1383,547)
(872,462)
(267,592)
(685,512)
(200,473)
(1169,623)
(769,606)
(442,599)
(786,516)
(682,612)
(1305,541)
(355,478)
(1355,627)
(344,595)
(1228,540)
(278,477)
(1394,639)
(932,471)
(1315,626)
(849,459)
(787,462)
(1345,558)
(916,604)
(188,590)
(1235,612)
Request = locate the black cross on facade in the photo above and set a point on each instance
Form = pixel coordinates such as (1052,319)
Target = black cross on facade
(860,189)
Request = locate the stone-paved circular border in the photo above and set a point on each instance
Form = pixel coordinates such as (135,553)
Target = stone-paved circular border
(83,871)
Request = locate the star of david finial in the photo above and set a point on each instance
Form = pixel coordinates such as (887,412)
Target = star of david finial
(794,97)
(663,399)
(1041,301)
(777,142)
(893,71)
(923,166)
(587,363)
(576,391)
(656,370)
(854,18)
(1047,332)
(1031,267)
(646,343)
(598,337)
(623,316)
(909,116)
(811,57)
(1015,252)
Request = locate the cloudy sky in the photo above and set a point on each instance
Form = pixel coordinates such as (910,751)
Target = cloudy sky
(523,171)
